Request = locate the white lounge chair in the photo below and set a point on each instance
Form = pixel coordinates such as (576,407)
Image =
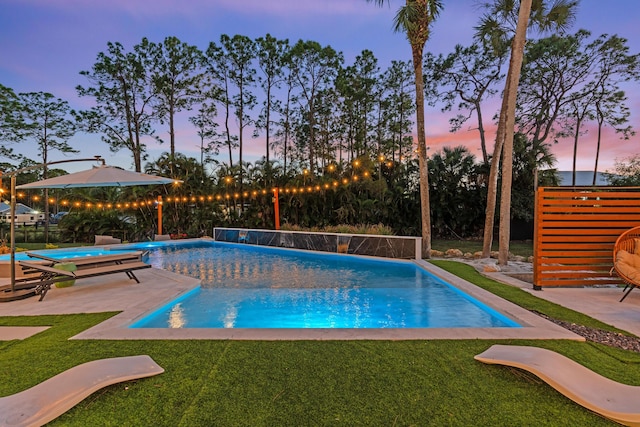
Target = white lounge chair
(613,400)
(48,400)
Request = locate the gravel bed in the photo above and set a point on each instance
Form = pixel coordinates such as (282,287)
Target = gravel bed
(516,268)
(612,339)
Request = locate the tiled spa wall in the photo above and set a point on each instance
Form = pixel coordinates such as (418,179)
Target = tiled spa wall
(404,247)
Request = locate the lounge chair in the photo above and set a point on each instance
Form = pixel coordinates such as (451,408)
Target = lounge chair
(626,259)
(48,275)
(92,260)
(613,400)
(106,240)
(48,400)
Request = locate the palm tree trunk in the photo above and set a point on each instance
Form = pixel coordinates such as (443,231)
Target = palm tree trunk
(515,64)
(425,208)
(492,186)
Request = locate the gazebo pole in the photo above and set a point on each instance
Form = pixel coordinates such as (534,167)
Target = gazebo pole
(276,208)
(12,233)
(13,175)
(159,215)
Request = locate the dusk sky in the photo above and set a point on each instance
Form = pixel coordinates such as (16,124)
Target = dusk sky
(44,44)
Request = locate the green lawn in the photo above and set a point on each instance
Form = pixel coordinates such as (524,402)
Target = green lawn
(314,383)
(33,246)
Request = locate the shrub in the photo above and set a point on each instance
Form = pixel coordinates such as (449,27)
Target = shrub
(379,229)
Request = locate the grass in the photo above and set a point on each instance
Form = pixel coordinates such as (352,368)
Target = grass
(316,383)
(379,229)
(35,246)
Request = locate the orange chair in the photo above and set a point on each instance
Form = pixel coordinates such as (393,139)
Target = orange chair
(626,259)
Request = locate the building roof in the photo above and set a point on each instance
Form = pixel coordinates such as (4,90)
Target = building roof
(20,208)
(582,178)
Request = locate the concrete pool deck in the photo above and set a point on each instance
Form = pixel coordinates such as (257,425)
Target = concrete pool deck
(157,287)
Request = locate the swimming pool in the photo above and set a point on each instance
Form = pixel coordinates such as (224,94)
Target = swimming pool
(258,287)
(75,252)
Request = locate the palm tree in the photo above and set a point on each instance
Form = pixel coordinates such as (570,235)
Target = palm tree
(494,28)
(415,18)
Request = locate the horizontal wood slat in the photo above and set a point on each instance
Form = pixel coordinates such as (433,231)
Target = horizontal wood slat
(583,232)
(578,283)
(593,241)
(554,269)
(595,204)
(575,230)
(581,216)
(593,225)
(579,246)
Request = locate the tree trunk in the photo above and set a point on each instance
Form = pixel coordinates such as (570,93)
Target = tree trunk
(595,167)
(425,208)
(268,123)
(172,134)
(515,64)
(576,137)
(226,121)
(45,175)
(492,193)
(172,137)
(483,141)
(492,184)
(137,155)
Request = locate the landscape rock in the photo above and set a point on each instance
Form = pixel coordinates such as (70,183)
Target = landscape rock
(453,253)
(491,268)
(436,253)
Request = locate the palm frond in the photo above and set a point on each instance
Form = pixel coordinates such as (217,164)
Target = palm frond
(378,2)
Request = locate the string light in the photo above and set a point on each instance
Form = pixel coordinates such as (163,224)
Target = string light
(176,199)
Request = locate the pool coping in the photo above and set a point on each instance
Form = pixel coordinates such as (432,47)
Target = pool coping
(158,287)
(532,325)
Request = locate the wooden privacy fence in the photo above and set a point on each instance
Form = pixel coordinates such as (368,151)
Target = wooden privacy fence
(575,230)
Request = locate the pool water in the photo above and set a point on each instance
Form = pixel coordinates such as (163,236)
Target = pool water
(76,252)
(257,287)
